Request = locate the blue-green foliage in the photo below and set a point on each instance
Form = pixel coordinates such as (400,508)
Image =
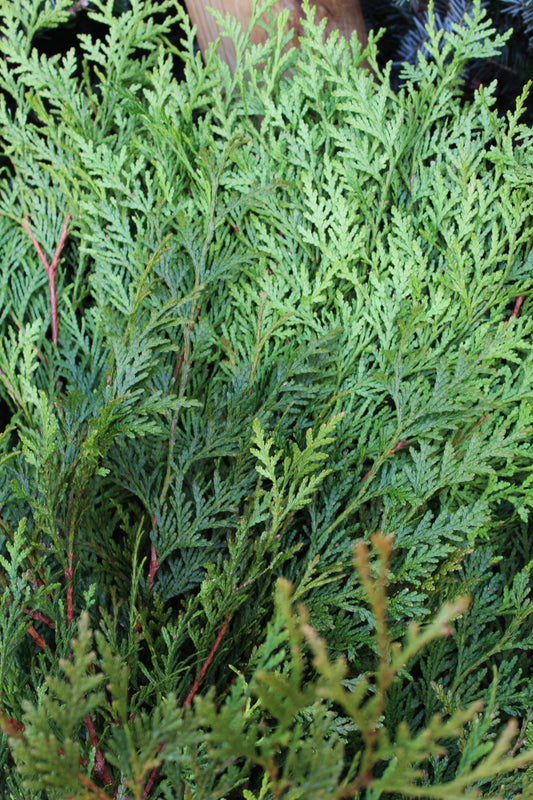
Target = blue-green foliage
(286,321)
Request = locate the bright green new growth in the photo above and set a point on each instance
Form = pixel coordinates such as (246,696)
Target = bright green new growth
(293,309)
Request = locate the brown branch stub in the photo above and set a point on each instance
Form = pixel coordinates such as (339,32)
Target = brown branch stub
(517,306)
(38,615)
(50,269)
(37,637)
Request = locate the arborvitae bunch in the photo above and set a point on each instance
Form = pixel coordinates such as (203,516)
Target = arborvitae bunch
(246,320)
(297,729)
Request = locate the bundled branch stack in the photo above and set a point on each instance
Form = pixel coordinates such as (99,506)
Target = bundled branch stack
(254,325)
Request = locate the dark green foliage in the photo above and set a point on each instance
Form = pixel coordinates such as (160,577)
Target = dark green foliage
(294,309)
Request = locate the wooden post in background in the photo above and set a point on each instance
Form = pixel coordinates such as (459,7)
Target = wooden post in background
(344,15)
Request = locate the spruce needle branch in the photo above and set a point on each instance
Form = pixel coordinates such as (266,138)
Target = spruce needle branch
(50,269)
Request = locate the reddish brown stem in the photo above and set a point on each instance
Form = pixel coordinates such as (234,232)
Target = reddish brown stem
(37,246)
(188,699)
(517,305)
(39,639)
(206,663)
(354,788)
(178,366)
(11,390)
(397,447)
(12,727)
(100,767)
(40,618)
(53,306)
(154,566)
(51,270)
(68,577)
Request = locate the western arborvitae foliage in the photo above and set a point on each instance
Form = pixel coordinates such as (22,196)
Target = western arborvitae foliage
(248,320)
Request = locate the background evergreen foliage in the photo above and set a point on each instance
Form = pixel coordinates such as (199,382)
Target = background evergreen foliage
(405,22)
(294,309)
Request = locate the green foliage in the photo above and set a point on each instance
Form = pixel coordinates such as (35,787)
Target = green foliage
(294,309)
(281,724)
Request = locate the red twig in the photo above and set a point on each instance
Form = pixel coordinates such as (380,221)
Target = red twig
(206,663)
(178,367)
(51,270)
(516,309)
(12,727)
(188,699)
(100,767)
(68,578)
(154,566)
(395,449)
(39,639)
(40,617)
(10,389)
